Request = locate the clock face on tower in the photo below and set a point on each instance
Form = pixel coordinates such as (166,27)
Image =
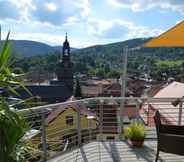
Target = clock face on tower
(66,53)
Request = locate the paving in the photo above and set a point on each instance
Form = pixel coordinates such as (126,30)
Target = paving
(116,151)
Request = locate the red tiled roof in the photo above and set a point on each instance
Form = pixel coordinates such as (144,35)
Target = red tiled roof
(114,87)
(91,90)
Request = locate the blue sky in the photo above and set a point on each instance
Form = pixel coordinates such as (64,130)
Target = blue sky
(88,22)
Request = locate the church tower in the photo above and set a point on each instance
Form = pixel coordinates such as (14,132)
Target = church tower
(64,69)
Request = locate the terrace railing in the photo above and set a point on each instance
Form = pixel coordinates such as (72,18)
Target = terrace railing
(56,129)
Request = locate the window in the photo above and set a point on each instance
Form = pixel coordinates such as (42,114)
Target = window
(69,120)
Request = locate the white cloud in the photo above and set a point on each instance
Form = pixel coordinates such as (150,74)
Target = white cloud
(55,12)
(58,12)
(47,21)
(72,21)
(22,7)
(142,31)
(119,29)
(141,5)
(84,5)
(50,6)
(179,21)
(50,39)
(40,37)
(115,28)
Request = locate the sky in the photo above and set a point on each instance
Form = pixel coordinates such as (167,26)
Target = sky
(87,22)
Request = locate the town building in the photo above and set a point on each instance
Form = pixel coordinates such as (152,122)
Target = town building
(62,122)
(111,87)
(169,110)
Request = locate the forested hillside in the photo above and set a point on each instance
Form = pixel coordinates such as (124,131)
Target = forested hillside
(106,61)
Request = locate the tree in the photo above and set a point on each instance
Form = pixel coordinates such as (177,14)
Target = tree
(114,74)
(78,91)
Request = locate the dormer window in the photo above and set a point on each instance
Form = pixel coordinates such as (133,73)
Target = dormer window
(69,120)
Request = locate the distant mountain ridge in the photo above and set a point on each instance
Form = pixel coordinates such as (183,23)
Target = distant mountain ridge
(29,48)
(115,47)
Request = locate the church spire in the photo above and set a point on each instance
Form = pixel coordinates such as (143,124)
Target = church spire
(64,69)
(66,49)
(66,37)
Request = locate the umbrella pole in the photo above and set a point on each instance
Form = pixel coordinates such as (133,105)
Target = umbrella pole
(123,90)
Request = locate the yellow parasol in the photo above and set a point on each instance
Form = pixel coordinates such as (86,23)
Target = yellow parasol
(174,37)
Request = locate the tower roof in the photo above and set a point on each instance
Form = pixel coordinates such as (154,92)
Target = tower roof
(66,43)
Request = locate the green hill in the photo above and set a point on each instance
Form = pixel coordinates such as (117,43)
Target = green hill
(105,60)
(28,48)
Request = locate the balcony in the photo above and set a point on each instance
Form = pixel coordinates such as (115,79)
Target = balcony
(92,129)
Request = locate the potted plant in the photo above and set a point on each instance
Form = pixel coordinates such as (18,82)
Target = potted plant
(135,133)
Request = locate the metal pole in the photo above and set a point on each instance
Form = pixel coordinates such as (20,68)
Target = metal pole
(148,112)
(90,126)
(78,126)
(43,138)
(180,112)
(90,129)
(101,119)
(123,90)
(137,110)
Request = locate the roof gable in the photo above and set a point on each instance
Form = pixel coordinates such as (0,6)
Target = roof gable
(58,111)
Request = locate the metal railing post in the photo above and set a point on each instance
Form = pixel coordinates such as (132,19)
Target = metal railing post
(89,127)
(180,112)
(101,119)
(148,112)
(43,137)
(78,126)
(137,106)
(120,119)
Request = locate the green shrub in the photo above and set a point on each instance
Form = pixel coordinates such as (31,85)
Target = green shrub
(12,125)
(136,131)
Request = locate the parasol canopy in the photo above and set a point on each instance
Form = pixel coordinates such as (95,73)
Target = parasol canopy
(174,37)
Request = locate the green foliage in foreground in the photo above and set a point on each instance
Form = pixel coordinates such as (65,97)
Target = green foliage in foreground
(12,125)
(136,131)
(13,128)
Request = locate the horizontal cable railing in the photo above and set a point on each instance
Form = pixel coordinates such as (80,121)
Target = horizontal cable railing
(58,128)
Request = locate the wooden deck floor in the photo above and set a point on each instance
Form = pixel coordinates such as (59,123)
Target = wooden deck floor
(116,152)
